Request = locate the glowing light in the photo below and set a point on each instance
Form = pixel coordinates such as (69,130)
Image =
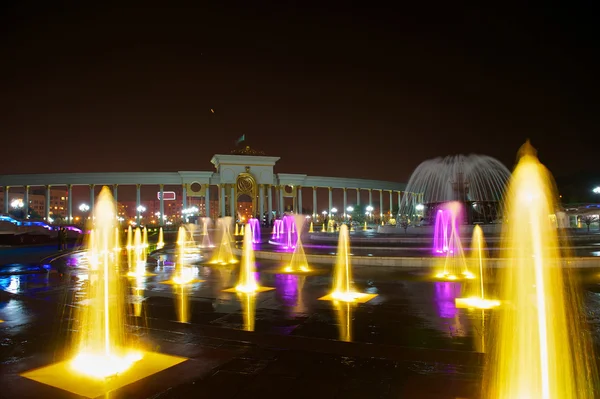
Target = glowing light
(596,190)
(247,282)
(343,289)
(223,254)
(99,366)
(539,350)
(476,303)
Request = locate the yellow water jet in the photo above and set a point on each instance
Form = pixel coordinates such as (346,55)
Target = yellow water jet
(237,231)
(247,281)
(311,229)
(365,227)
(223,254)
(343,289)
(540,349)
(103,357)
(161,239)
(475,292)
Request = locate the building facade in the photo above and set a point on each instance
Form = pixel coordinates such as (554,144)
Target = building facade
(244,177)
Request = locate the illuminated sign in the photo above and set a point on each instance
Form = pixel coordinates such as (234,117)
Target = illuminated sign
(168,195)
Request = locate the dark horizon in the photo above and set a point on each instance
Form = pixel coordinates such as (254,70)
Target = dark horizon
(348,91)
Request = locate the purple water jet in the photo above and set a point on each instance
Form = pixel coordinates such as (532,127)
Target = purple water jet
(447,217)
(285,233)
(254,225)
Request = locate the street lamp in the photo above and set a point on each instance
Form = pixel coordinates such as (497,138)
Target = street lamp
(596,190)
(349,211)
(17,203)
(370,211)
(84,207)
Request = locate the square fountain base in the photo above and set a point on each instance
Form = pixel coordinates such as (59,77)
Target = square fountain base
(359,298)
(61,376)
(259,289)
(171,282)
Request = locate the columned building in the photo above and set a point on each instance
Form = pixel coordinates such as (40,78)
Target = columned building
(244,176)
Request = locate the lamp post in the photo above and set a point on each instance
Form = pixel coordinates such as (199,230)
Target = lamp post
(370,212)
(140,209)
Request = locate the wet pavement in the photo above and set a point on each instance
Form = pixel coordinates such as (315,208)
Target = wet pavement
(410,340)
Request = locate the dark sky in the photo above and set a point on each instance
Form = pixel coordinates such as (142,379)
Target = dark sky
(339,91)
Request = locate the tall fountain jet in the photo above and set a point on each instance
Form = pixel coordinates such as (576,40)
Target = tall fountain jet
(343,285)
(161,239)
(540,349)
(254,225)
(247,281)
(223,254)
(298,262)
(103,359)
(475,290)
(206,242)
(455,264)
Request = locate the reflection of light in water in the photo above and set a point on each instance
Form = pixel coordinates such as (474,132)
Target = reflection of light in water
(445,295)
(248,302)
(287,288)
(13,286)
(343,312)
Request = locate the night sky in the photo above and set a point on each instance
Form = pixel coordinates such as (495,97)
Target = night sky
(340,91)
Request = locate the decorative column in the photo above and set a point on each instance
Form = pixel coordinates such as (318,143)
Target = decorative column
(183,198)
(281,202)
(270,202)
(232,205)
(26,202)
(116,197)
(399,200)
(330,201)
(358,197)
(47,210)
(391,205)
(345,201)
(161,188)
(138,202)
(92,201)
(370,197)
(261,202)
(6,199)
(70,203)
(222,200)
(299,210)
(207,201)
(381,204)
(315,211)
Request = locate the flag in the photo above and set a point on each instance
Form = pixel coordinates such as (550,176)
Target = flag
(242,138)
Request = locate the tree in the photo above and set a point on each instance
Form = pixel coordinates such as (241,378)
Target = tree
(588,220)
(358,214)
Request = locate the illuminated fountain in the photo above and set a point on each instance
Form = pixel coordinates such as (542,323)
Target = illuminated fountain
(223,254)
(242,230)
(184,275)
(475,297)
(285,233)
(129,247)
(539,347)
(145,239)
(441,232)
(343,289)
(104,359)
(298,262)
(254,225)
(206,243)
(455,264)
(247,281)
(311,229)
(161,239)
(365,226)
(237,231)
(277,229)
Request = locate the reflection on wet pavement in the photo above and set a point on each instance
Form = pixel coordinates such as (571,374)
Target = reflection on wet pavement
(412,326)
